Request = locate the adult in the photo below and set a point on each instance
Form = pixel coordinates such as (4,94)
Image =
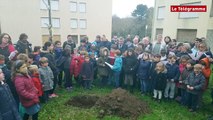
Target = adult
(204,52)
(97,42)
(135,41)
(167,40)
(105,42)
(87,43)
(159,45)
(114,39)
(147,45)
(6,46)
(23,45)
(69,43)
(121,46)
(195,49)
(129,43)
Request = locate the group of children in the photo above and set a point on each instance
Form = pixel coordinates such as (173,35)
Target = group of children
(34,77)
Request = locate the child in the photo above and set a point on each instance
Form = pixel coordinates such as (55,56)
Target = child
(163,56)
(182,65)
(156,59)
(143,73)
(94,62)
(76,65)
(48,53)
(36,53)
(194,82)
(26,90)
(173,74)
(129,66)
(58,51)
(47,77)
(8,109)
(159,80)
(183,76)
(117,68)
(103,70)
(87,73)
(33,69)
(206,70)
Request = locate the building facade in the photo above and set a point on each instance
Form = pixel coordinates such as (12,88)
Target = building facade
(75,17)
(183,26)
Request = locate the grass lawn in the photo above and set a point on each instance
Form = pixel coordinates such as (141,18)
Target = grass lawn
(56,110)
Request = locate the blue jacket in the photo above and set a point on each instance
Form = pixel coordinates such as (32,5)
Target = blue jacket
(173,72)
(144,69)
(118,64)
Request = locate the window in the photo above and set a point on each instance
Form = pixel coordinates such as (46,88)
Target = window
(158,31)
(161,12)
(44,22)
(82,23)
(189,14)
(74,23)
(54,4)
(184,35)
(73,6)
(211,12)
(55,22)
(75,38)
(55,38)
(82,7)
(209,38)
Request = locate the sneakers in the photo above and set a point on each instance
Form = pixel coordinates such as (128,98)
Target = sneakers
(53,95)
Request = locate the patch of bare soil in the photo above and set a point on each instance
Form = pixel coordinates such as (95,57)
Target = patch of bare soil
(120,103)
(83,101)
(123,104)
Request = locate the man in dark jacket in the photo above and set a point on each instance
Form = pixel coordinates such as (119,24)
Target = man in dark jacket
(69,43)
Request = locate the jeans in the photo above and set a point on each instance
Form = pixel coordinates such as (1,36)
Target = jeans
(170,86)
(116,76)
(144,85)
(192,101)
(183,97)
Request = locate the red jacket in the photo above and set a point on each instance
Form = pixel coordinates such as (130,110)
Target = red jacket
(37,83)
(206,71)
(76,64)
(28,94)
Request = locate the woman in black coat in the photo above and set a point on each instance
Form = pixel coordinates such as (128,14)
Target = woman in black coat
(8,107)
(129,66)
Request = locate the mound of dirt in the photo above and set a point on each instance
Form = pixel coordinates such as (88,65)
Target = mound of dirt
(84,101)
(123,104)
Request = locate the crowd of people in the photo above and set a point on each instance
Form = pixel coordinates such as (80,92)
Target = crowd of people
(165,69)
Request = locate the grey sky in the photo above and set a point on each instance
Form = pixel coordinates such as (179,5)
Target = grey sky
(123,8)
